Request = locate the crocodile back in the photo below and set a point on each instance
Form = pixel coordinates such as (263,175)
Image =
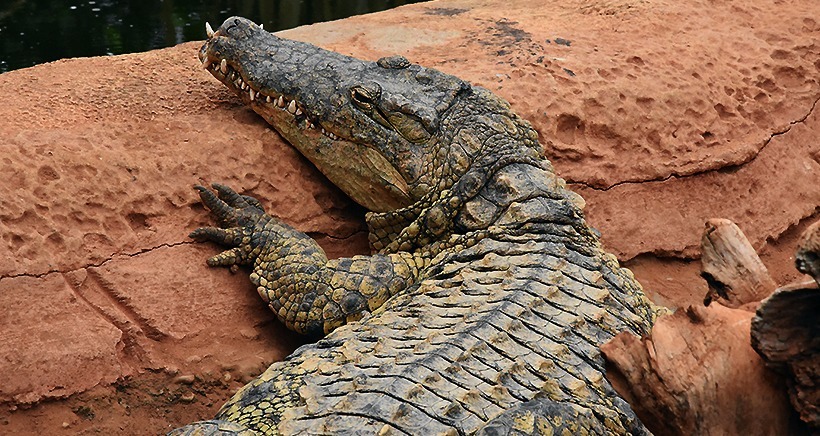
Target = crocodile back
(500,319)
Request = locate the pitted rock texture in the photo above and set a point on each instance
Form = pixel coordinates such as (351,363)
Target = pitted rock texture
(661,114)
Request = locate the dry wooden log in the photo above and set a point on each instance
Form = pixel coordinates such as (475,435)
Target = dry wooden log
(786,331)
(697,374)
(731,267)
(807,257)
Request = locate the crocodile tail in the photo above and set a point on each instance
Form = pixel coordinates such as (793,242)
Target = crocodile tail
(213,427)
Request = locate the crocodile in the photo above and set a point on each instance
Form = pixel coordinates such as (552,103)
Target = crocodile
(487,296)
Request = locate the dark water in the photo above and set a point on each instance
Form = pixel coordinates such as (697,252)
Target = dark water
(37,31)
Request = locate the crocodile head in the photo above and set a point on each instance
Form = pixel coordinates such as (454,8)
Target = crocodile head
(370,127)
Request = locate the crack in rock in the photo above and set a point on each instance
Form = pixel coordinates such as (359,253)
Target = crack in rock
(99,264)
(674,175)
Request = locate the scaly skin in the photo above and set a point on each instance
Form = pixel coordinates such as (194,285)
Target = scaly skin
(488,297)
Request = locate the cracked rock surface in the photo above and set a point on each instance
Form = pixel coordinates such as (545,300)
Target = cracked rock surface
(660,114)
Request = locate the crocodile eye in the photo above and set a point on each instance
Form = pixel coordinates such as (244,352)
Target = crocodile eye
(361,97)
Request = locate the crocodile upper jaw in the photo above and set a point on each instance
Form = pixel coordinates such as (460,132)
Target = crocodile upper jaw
(358,169)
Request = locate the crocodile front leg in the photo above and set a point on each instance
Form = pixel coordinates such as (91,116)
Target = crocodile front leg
(309,293)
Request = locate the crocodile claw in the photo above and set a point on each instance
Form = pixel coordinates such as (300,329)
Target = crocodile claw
(238,216)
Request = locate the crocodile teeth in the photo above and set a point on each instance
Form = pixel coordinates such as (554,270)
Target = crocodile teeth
(209,30)
(298,111)
(262,26)
(267,99)
(292,107)
(310,125)
(223,66)
(280,102)
(251,93)
(329,134)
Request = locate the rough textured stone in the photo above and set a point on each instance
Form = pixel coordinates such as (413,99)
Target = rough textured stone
(662,114)
(52,343)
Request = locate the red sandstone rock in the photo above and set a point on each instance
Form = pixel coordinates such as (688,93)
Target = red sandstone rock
(660,114)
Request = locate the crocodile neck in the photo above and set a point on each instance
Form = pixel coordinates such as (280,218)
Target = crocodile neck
(464,163)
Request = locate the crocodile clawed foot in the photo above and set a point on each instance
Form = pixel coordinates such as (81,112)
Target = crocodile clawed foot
(237,216)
